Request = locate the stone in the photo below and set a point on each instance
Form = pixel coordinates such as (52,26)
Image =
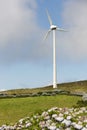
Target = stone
(68,129)
(85,120)
(28,124)
(83,108)
(45,114)
(60,119)
(84,98)
(78,127)
(53,109)
(68,117)
(67,122)
(42,124)
(66,113)
(21,121)
(79,123)
(84,128)
(61,115)
(54,115)
(52,127)
(47,117)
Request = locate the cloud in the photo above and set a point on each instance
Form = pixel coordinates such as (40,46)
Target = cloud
(13,17)
(75,17)
(21,37)
(20,34)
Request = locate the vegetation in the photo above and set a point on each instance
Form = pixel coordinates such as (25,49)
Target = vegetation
(79,86)
(12,109)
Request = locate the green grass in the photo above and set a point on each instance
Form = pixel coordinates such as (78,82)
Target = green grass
(13,109)
(79,86)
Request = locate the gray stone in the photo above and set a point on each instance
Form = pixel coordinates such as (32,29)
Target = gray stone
(78,127)
(60,119)
(84,98)
(68,117)
(67,122)
(52,127)
(54,115)
(84,128)
(28,124)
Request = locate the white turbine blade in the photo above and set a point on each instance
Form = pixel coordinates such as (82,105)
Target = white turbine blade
(49,18)
(47,34)
(61,29)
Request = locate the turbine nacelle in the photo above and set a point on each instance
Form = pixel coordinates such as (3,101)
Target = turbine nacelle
(53,27)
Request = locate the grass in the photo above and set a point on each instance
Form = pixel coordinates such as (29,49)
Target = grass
(79,86)
(13,109)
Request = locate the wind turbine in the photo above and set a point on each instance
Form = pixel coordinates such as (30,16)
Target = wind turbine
(53,28)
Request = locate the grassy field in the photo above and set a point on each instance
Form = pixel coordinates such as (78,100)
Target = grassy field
(79,86)
(13,109)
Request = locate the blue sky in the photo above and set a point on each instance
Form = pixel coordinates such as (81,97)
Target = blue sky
(25,60)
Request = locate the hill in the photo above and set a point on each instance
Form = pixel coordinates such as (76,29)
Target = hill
(13,109)
(72,87)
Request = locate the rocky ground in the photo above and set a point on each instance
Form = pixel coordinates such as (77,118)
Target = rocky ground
(53,119)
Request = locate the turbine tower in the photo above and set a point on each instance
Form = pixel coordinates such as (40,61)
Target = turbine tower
(53,28)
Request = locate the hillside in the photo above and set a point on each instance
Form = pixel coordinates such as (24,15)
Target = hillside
(74,87)
(9,107)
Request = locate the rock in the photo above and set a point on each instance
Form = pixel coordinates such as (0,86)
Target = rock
(48,122)
(45,114)
(52,127)
(53,109)
(83,108)
(47,117)
(28,124)
(42,124)
(54,115)
(85,121)
(61,115)
(68,117)
(66,113)
(78,127)
(84,128)
(79,123)
(21,121)
(68,129)
(66,122)
(84,98)
(60,119)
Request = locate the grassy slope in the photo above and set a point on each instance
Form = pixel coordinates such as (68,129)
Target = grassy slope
(80,86)
(12,109)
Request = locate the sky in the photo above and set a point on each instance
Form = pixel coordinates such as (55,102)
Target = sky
(25,59)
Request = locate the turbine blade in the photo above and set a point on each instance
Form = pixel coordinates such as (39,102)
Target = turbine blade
(49,18)
(47,34)
(61,29)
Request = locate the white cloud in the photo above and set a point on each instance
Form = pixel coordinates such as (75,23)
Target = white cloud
(21,38)
(75,16)
(13,18)
(19,31)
